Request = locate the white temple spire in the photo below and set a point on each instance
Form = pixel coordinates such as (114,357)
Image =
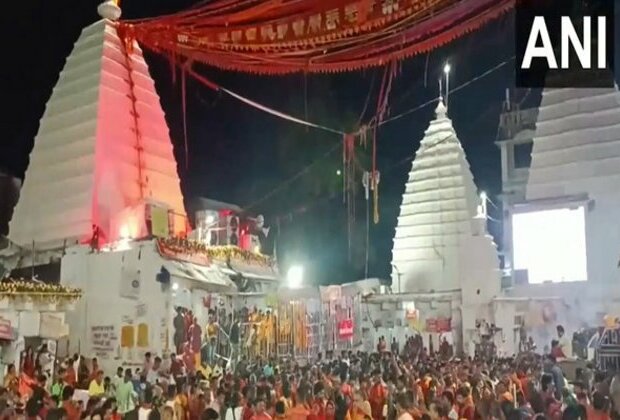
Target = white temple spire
(436,232)
(103,147)
(441,111)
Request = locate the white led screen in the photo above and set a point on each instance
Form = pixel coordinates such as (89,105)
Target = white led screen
(550,245)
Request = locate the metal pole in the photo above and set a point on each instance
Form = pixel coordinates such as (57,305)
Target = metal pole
(447,88)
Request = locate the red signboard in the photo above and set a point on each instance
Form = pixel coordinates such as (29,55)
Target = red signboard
(345,329)
(444,325)
(438,325)
(6,332)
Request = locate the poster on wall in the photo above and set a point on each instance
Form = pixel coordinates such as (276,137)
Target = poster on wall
(160,227)
(53,326)
(29,323)
(130,282)
(104,341)
(6,332)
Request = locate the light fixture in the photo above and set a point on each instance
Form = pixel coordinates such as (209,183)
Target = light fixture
(446,68)
(210,219)
(483,204)
(338,172)
(175,286)
(295,276)
(124,232)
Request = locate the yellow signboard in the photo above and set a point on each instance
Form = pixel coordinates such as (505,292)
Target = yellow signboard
(159,222)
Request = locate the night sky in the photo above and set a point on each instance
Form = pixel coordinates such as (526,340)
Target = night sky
(240,155)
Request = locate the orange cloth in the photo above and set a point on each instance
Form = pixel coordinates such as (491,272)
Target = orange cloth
(593,414)
(468,410)
(261,416)
(377,398)
(70,376)
(299,412)
(360,413)
(73,413)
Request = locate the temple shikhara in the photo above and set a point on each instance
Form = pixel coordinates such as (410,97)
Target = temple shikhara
(103,146)
(101,213)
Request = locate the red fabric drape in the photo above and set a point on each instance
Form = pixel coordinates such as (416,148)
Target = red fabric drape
(287,36)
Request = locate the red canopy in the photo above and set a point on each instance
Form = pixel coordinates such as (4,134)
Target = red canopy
(316,36)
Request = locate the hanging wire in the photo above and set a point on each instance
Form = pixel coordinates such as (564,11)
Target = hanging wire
(306,169)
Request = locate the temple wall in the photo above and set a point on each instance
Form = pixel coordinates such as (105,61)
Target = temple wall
(106,280)
(603,240)
(573,305)
(121,292)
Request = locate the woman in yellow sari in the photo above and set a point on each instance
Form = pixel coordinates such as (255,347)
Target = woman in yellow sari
(10,379)
(360,409)
(262,333)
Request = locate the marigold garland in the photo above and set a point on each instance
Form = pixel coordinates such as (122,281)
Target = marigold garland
(24,288)
(221,253)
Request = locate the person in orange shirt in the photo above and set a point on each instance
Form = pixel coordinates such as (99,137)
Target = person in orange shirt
(73,412)
(599,409)
(70,374)
(261,413)
(466,408)
(318,405)
(377,396)
(299,411)
(330,410)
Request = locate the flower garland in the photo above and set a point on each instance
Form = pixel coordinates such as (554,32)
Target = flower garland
(221,253)
(23,288)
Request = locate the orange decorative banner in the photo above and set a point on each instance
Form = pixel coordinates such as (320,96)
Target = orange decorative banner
(316,27)
(277,37)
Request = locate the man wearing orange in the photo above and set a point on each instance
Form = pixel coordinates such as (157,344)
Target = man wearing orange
(260,413)
(377,396)
(466,408)
(299,411)
(318,405)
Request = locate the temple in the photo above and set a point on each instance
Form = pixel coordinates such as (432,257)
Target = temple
(443,257)
(438,215)
(101,210)
(103,147)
